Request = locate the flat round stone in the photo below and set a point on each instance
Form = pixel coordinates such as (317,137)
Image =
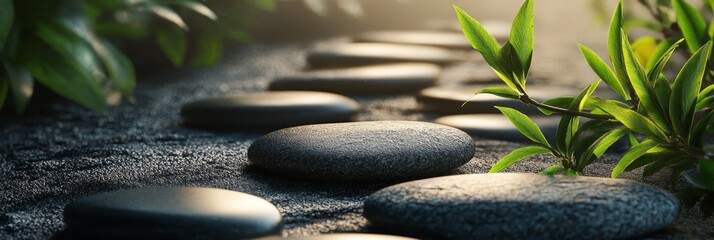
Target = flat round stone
(497,126)
(373,79)
(354,54)
(449,99)
(522,206)
(269,110)
(426,38)
(344,236)
(172,213)
(362,151)
(498,29)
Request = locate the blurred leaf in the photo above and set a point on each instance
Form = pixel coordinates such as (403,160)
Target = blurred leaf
(642,86)
(644,48)
(633,154)
(692,24)
(198,8)
(698,179)
(658,55)
(351,7)
(521,37)
(4,86)
(525,125)
(267,5)
(21,84)
(635,121)
(72,47)
(685,89)
(553,170)
(635,22)
(603,71)
(210,48)
(614,47)
(173,43)
(69,81)
(168,15)
(120,68)
(517,155)
(7,18)
(317,6)
(696,139)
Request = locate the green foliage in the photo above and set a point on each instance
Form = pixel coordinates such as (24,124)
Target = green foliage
(674,118)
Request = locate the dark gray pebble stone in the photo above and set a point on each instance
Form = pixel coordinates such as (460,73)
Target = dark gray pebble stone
(362,151)
(497,126)
(269,110)
(172,213)
(373,79)
(522,206)
(449,99)
(355,54)
(427,38)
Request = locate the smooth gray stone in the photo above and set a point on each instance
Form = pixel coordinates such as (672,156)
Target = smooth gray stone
(344,236)
(362,151)
(497,126)
(172,213)
(522,206)
(425,38)
(373,79)
(356,54)
(449,99)
(498,29)
(269,110)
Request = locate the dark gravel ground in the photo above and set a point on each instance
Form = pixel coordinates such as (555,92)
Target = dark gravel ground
(47,160)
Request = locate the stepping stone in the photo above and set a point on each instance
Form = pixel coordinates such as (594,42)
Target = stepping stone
(344,236)
(355,54)
(269,110)
(172,213)
(498,29)
(497,126)
(362,151)
(448,99)
(425,38)
(374,79)
(522,206)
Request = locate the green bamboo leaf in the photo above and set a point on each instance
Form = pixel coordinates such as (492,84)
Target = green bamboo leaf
(685,89)
(652,161)
(517,155)
(525,125)
(663,91)
(483,42)
(7,19)
(70,81)
(168,14)
(4,89)
(642,86)
(635,121)
(599,146)
(633,154)
(706,92)
(504,92)
(692,24)
(21,85)
(119,67)
(614,48)
(603,71)
(173,43)
(210,48)
(521,38)
(564,134)
(553,170)
(199,8)
(699,130)
(706,102)
(72,47)
(660,51)
(654,72)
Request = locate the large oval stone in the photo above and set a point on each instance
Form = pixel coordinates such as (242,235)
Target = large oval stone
(354,54)
(497,126)
(449,99)
(426,38)
(522,206)
(269,110)
(373,79)
(172,213)
(362,151)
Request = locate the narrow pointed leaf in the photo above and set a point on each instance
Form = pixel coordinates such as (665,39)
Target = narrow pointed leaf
(662,49)
(656,69)
(633,154)
(614,47)
(521,37)
(525,125)
(603,71)
(599,146)
(7,17)
(4,89)
(635,121)
(69,81)
(21,85)
(642,86)
(198,8)
(210,48)
(173,43)
(685,89)
(169,15)
(663,92)
(706,102)
(706,92)
(504,92)
(480,39)
(120,69)
(692,24)
(517,155)
(699,130)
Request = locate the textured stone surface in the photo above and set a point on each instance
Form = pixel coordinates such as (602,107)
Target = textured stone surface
(449,99)
(344,236)
(522,206)
(427,38)
(362,151)
(354,54)
(497,126)
(172,212)
(269,110)
(374,79)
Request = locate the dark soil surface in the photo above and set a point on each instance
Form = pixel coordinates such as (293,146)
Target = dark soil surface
(47,160)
